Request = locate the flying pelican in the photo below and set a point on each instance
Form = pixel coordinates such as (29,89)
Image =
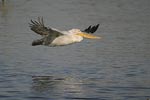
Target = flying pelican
(55,37)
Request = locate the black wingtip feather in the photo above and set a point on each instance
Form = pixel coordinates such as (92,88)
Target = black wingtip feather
(94,28)
(91,29)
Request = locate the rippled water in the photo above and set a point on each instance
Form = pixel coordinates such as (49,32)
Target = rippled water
(114,68)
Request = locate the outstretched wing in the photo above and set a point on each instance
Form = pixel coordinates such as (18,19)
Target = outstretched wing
(39,28)
(91,29)
(49,33)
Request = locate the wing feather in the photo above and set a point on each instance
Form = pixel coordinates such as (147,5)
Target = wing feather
(39,28)
(49,33)
(91,29)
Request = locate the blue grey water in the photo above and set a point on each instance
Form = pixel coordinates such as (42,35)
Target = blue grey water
(117,67)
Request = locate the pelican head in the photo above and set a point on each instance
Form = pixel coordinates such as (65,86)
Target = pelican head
(73,31)
(83,34)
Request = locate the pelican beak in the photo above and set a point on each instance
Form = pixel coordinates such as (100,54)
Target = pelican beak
(89,36)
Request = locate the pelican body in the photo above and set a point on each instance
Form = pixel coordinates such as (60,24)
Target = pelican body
(55,37)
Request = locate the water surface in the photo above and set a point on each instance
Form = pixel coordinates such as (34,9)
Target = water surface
(114,68)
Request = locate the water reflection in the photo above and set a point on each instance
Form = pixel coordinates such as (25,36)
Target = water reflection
(3,8)
(3,2)
(45,83)
(5,11)
(68,87)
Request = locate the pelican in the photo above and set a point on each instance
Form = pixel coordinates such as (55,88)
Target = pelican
(55,37)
